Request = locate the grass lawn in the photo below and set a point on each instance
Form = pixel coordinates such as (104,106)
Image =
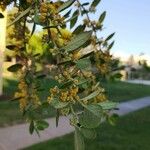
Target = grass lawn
(131,133)
(117,91)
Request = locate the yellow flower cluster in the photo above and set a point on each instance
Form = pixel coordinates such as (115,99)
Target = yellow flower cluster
(3,5)
(70,95)
(50,8)
(100,98)
(22,94)
(62,37)
(64,96)
(25,97)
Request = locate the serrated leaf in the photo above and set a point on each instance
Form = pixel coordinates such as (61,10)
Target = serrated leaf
(110,36)
(1,15)
(88,120)
(31,127)
(79,140)
(88,133)
(95,109)
(95,3)
(90,96)
(14,68)
(20,16)
(111,45)
(79,29)
(66,5)
(102,17)
(57,104)
(75,18)
(78,41)
(108,105)
(84,63)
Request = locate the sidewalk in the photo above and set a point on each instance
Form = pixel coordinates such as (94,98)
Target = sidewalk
(144,82)
(17,137)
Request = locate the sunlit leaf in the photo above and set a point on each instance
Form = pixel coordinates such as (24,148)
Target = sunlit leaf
(57,104)
(108,105)
(21,15)
(78,41)
(66,5)
(90,96)
(84,64)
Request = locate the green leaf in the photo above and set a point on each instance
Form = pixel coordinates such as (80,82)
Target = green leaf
(67,14)
(57,104)
(95,109)
(79,29)
(111,45)
(66,84)
(16,99)
(42,124)
(102,17)
(110,36)
(108,105)
(88,133)
(95,3)
(84,64)
(90,96)
(21,15)
(88,120)
(66,5)
(33,28)
(1,15)
(78,41)
(85,4)
(11,47)
(79,140)
(41,76)
(57,117)
(31,127)
(113,119)
(75,18)
(14,68)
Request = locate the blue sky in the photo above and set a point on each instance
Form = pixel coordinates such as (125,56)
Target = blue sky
(130,19)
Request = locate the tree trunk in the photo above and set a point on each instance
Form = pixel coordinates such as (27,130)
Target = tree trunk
(3,22)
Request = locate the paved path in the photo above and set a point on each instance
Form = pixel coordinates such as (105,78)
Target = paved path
(144,82)
(17,137)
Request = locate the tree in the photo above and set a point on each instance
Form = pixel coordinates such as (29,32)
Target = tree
(75,84)
(3,19)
